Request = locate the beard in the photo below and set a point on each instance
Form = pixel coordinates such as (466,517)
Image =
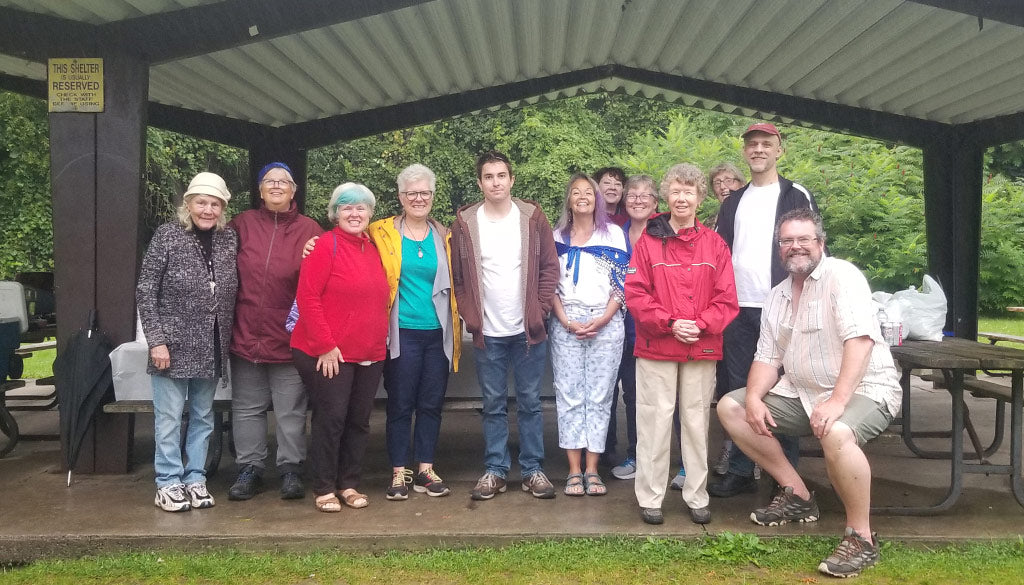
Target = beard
(801,263)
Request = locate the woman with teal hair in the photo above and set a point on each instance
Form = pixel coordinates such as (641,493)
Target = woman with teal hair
(339,345)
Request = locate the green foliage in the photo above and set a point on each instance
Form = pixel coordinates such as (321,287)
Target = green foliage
(1002,246)
(736,547)
(26,232)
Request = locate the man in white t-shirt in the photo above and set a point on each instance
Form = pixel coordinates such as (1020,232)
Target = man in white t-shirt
(505,273)
(746,221)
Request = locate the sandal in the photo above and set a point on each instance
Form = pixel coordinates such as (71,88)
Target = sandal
(355,499)
(574,485)
(593,484)
(327,503)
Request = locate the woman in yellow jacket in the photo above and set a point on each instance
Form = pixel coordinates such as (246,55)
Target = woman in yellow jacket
(424,335)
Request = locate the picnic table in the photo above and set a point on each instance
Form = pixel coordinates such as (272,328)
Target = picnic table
(958,359)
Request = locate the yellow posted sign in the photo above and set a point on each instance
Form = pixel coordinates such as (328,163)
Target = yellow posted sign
(75,85)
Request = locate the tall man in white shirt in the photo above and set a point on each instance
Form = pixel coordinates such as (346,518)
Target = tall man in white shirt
(746,221)
(505,273)
(840,385)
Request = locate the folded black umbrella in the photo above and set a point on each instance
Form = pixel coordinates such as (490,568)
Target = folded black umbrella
(82,372)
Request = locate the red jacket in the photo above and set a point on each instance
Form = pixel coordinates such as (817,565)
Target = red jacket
(680,276)
(269,253)
(343,299)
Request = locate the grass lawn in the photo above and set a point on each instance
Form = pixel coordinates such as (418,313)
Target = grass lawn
(724,559)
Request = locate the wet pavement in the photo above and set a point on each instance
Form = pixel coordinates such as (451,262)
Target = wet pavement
(41,517)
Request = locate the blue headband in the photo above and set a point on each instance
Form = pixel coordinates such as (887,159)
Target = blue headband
(274,165)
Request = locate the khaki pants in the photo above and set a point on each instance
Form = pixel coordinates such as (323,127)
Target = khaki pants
(661,386)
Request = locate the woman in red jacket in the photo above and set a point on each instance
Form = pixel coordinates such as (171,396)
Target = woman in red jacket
(680,291)
(339,345)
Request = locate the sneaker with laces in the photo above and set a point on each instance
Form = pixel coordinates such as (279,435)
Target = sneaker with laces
(291,486)
(172,498)
(679,480)
(430,483)
(625,470)
(198,495)
(786,507)
(539,485)
(853,555)
(488,486)
(721,466)
(399,488)
(248,484)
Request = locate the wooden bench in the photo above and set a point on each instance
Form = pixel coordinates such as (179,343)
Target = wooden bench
(994,338)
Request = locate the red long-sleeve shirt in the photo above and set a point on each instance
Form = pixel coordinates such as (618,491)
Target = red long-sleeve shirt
(342,299)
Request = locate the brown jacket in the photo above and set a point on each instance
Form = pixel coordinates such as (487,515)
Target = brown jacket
(540,276)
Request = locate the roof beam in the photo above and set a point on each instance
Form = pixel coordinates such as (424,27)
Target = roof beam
(996,131)
(23,85)
(1005,11)
(37,37)
(875,124)
(367,123)
(207,28)
(212,127)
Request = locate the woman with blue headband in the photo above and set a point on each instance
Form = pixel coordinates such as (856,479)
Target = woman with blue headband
(339,345)
(586,330)
(270,241)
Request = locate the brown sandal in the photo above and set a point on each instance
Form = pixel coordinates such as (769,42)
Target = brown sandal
(327,503)
(355,499)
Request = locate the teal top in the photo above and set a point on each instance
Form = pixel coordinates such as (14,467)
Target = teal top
(416,284)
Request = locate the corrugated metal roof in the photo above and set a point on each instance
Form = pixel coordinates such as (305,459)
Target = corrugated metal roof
(891,56)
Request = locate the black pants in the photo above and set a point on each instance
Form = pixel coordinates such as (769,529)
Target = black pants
(740,344)
(340,427)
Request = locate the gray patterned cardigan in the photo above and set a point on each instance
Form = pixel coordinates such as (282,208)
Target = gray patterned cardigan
(176,305)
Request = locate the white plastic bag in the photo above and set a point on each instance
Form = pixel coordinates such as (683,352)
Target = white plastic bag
(924,311)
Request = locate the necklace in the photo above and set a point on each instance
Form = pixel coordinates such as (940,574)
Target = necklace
(419,240)
(207,261)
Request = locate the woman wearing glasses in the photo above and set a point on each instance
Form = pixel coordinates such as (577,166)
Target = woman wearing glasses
(724,178)
(339,345)
(270,241)
(424,332)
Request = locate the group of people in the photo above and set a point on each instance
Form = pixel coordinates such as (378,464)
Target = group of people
(746,311)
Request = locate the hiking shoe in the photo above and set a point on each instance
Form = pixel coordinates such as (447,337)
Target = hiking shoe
(291,486)
(853,555)
(539,485)
(400,480)
(700,515)
(625,470)
(732,485)
(248,484)
(172,498)
(488,486)
(430,483)
(198,495)
(652,515)
(679,480)
(721,466)
(786,507)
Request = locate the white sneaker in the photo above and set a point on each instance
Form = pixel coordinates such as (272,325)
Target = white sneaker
(679,480)
(198,495)
(172,498)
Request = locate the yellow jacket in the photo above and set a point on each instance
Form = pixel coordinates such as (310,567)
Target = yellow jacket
(386,235)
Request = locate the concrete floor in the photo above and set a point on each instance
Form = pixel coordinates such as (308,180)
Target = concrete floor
(40,516)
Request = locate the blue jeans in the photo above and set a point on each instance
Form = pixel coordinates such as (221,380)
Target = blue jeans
(169,396)
(527,363)
(415,381)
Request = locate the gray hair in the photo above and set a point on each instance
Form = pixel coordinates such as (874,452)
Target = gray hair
(416,172)
(686,174)
(185,217)
(641,181)
(802,214)
(349,194)
(726,168)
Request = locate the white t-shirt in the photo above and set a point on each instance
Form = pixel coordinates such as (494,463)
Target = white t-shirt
(501,265)
(593,288)
(754,230)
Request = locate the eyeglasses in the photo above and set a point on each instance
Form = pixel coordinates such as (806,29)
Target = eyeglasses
(802,240)
(413,195)
(722,182)
(277,182)
(642,197)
